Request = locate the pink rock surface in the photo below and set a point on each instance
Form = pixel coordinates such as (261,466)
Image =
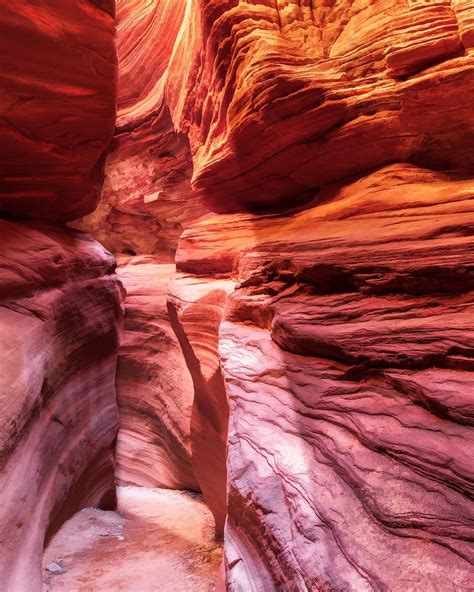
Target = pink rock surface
(57,106)
(148,173)
(196,306)
(60,307)
(154,388)
(347,355)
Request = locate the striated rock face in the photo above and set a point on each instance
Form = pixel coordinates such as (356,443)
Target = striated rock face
(347,358)
(310,369)
(196,306)
(149,170)
(60,306)
(154,387)
(281,97)
(57,107)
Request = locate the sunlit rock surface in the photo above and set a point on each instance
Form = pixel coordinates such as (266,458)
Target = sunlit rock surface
(60,307)
(154,387)
(347,354)
(280,97)
(148,173)
(57,105)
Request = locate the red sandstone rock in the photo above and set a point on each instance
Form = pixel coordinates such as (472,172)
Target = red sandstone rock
(154,388)
(57,108)
(60,304)
(347,356)
(282,97)
(148,172)
(196,309)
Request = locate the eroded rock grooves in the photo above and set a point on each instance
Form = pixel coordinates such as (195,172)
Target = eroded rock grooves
(350,386)
(60,306)
(60,301)
(308,363)
(155,390)
(148,172)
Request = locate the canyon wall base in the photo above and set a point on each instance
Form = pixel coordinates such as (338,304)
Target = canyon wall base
(60,310)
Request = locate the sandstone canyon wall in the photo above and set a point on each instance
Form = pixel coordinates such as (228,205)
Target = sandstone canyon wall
(148,172)
(280,97)
(350,384)
(154,387)
(60,300)
(323,311)
(345,348)
(146,203)
(308,364)
(57,72)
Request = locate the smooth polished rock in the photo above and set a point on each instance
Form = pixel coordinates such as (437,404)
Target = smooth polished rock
(196,307)
(60,312)
(154,387)
(58,71)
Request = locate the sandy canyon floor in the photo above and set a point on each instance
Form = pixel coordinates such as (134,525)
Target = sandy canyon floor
(159,540)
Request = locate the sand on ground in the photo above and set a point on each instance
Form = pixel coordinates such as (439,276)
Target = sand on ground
(159,541)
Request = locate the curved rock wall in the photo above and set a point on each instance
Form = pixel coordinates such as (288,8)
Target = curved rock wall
(196,307)
(60,306)
(60,300)
(146,202)
(333,341)
(347,358)
(280,97)
(337,335)
(154,388)
(148,172)
(57,109)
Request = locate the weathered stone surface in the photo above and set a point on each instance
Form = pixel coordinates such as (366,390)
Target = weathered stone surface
(154,388)
(281,97)
(60,306)
(195,311)
(347,355)
(57,105)
(148,173)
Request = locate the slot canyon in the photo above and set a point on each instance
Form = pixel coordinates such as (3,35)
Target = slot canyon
(236,295)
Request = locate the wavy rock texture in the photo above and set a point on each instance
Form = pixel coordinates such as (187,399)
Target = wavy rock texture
(154,388)
(57,106)
(347,355)
(149,170)
(60,307)
(280,97)
(196,306)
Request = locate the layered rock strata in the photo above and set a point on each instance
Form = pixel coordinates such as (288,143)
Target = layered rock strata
(57,108)
(347,359)
(281,97)
(154,387)
(60,307)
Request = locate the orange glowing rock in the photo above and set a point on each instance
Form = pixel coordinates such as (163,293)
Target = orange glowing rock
(280,98)
(148,172)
